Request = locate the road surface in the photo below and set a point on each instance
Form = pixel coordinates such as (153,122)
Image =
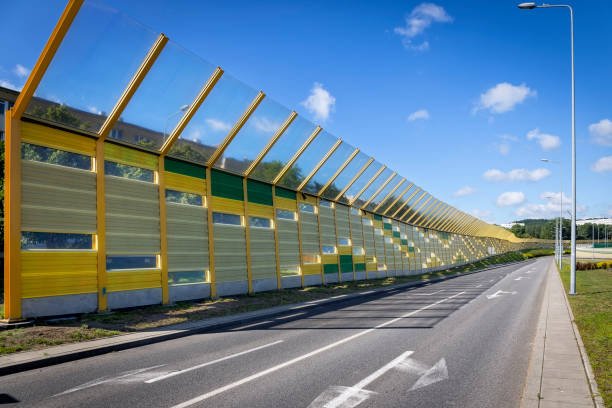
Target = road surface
(464,342)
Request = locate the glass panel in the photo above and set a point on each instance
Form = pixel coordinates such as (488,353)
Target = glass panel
(384,192)
(382,177)
(311,259)
(346,175)
(344,241)
(400,202)
(181,278)
(93,65)
(131,262)
(328,169)
(283,150)
(214,119)
(328,249)
(55,156)
(360,182)
(227,219)
(164,95)
(308,160)
(358,251)
(309,208)
(260,222)
(325,203)
(180,197)
(415,205)
(55,240)
(131,172)
(285,215)
(254,136)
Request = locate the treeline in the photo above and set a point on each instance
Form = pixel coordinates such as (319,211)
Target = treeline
(545,229)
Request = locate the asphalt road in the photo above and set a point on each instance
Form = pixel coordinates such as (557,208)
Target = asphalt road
(464,342)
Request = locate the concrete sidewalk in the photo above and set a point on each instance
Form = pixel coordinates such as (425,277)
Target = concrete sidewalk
(559,374)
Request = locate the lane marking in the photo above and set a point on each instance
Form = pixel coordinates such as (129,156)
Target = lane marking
(520,278)
(251,325)
(479,286)
(186,370)
(338,296)
(499,293)
(299,307)
(108,380)
(367,293)
(304,356)
(290,316)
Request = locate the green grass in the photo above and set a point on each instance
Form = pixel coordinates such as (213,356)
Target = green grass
(592,307)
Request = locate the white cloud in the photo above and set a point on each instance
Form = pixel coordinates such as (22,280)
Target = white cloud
(545,140)
(464,191)
(8,84)
(264,125)
(602,132)
(555,197)
(421,114)
(21,71)
(504,146)
(510,198)
(516,175)
(503,97)
(320,102)
(550,208)
(603,164)
(218,125)
(419,19)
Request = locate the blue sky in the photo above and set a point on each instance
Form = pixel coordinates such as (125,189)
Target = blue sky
(462,98)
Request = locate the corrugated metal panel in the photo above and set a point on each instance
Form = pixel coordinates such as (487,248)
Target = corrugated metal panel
(230,253)
(226,205)
(132,217)
(310,233)
(288,246)
(57,198)
(342,221)
(260,210)
(58,273)
(175,181)
(311,269)
(187,232)
(326,226)
(57,139)
(356,230)
(263,255)
(131,280)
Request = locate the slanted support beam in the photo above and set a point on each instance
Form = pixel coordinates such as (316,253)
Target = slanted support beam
(319,164)
(297,154)
(377,192)
(399,196)
(419,210)
(337,173)
(393,190)
(406,202)
(354,179)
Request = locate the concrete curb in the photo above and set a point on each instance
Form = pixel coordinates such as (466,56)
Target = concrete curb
(29,360)
(597,399)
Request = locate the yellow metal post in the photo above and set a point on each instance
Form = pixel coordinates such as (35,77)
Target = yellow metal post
(211,236)
(247,234)
(101,226)
(163,230)
(133,85)
(276,246)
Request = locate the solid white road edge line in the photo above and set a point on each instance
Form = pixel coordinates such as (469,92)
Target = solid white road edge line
(304,356)
(186,370)
(251,325)
(290,316)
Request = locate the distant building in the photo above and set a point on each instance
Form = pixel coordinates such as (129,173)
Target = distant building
(601,220)
(512,224)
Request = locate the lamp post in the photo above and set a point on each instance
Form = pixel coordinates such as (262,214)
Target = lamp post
(531,6)
(560,223)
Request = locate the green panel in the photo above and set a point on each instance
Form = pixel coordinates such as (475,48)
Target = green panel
(377,217)
(410,249)
(346,267)
(259,193)
(404,242)
(283,192)
(330,268)
(226,185)
(387,226)
(396,234)
(346,259)
(360,267)
(184,168)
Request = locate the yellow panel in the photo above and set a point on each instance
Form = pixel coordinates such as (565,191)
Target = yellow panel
(227,205)
(358,259)
(260,210)
(131,280)
(175,181)
(311,269)
(371,267)
(329,259)
(57,139)
(285,203)
(345,250)
(58,273)
(309,199)
(132,157)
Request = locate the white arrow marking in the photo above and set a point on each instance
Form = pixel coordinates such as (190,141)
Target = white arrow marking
(348,397)
(499,293)
(437,373)
(126,376)
(521,278)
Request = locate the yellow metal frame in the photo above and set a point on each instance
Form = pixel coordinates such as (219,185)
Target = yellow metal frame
(429,212)
(133,85)
(276,247)
(406,202)
(247,235)
(423,213)
(440,217)
(163,231)
(235,129)
(399,197)
(271,143)
(374,177)
(393,190)
(419,210)
(413,205)
(443,218)
(320,164)
(191,110)
(337,172)
(355,177)
(211,236)
(101,226)
(297,154)
(378,190)
(449,218)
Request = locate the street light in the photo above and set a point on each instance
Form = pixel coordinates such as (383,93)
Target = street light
(530,6)
(560,227)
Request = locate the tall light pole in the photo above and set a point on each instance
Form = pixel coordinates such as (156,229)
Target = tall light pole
(560,227)
(557,235)
(530,6)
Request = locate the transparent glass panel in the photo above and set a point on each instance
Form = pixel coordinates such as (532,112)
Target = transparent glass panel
(93,65)
(344,241)
(55,156)
(328,169)
(254,136)
(328,249)
(286,215)
(126,171)
(55,240)
(260,222)
(283,150)
(325,203)
(227,219)
(181,278)
(384,192)
(308,208)
(409,209)
(131,262)
(220,111)
(162,98)
(180,197)
(361,181)
(382,177)
(400,202)
(311,259)
(346,175)
(308,160)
